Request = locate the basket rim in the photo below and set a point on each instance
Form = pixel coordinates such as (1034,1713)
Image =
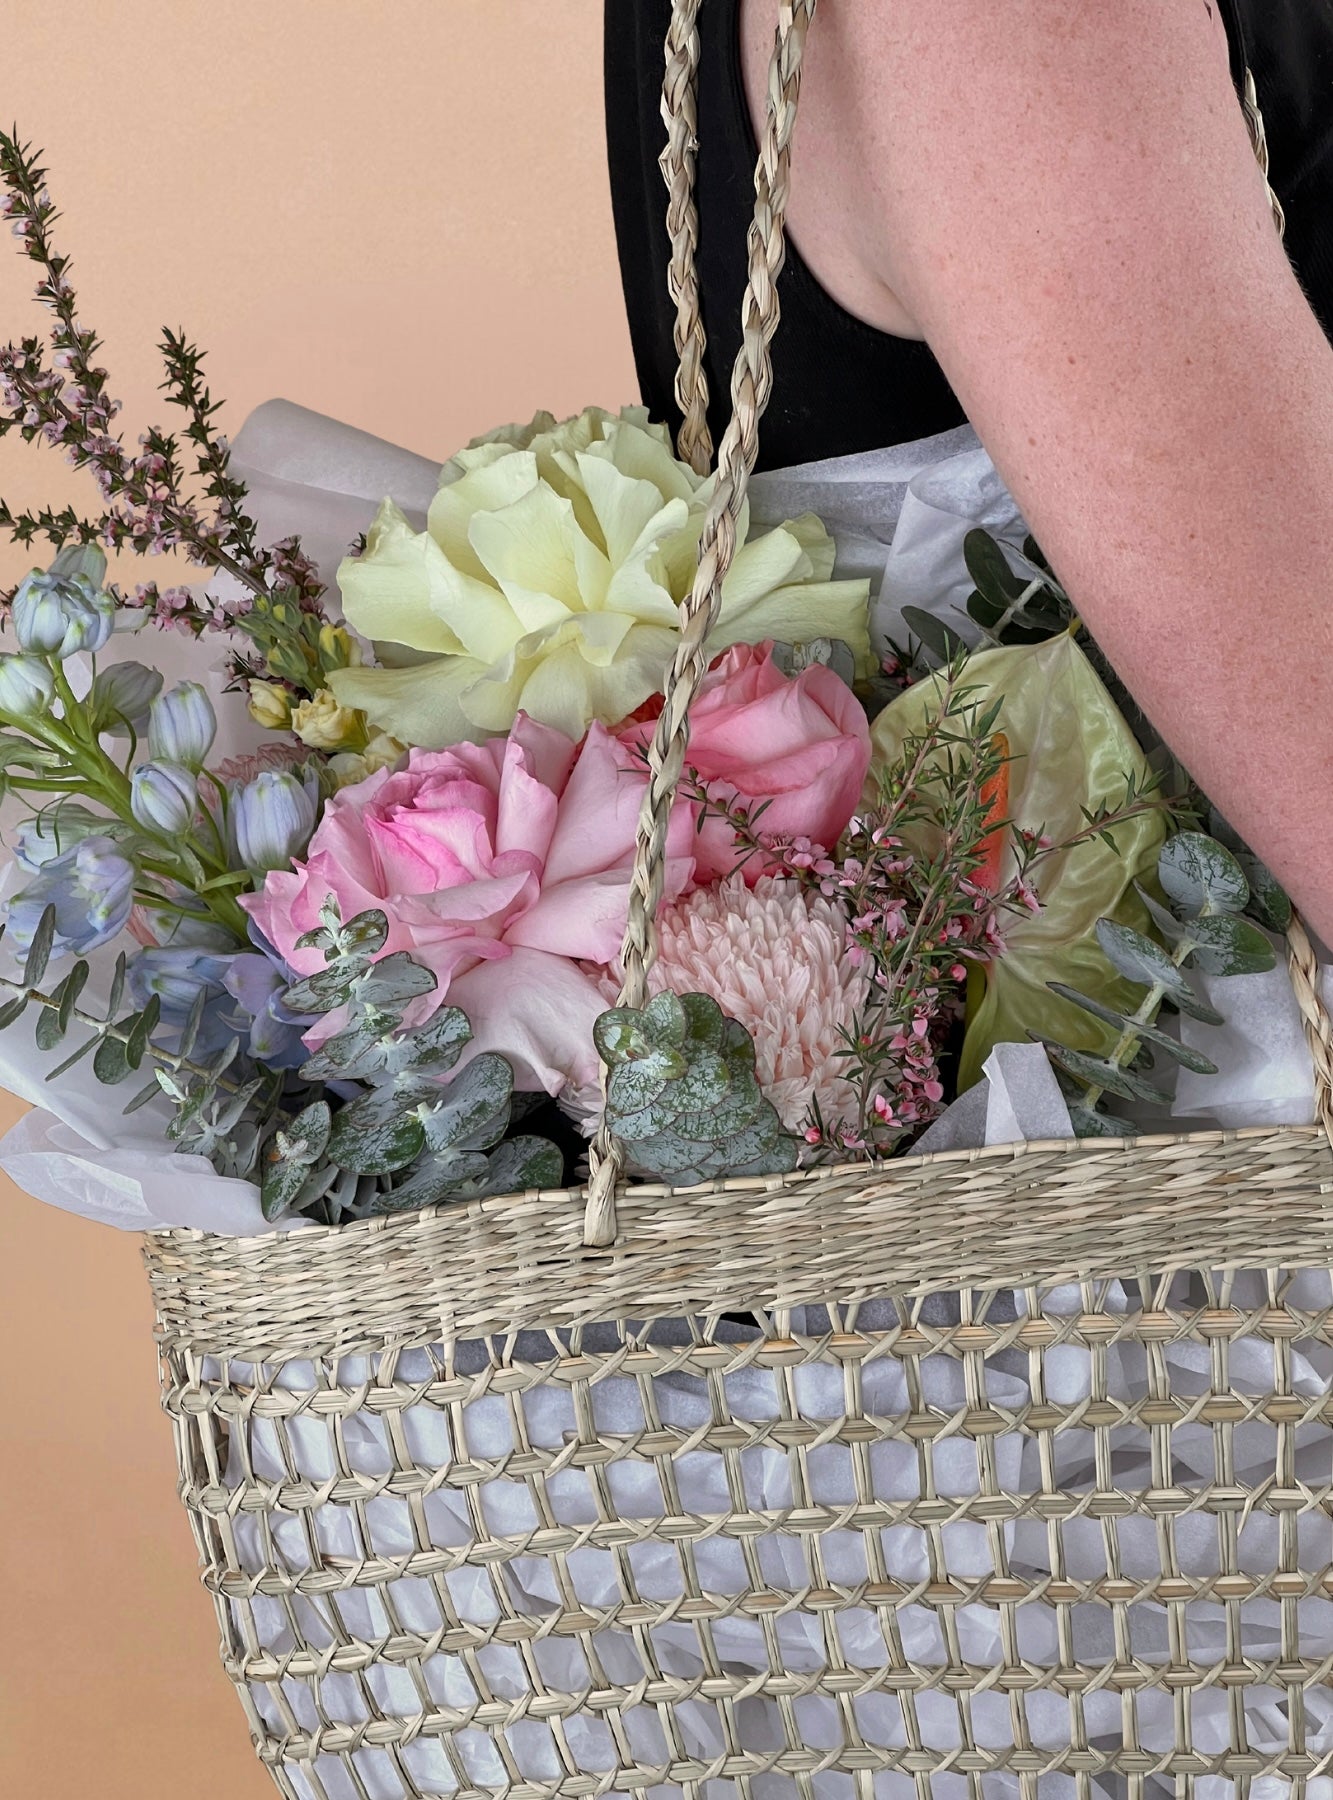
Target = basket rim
(750,1184)
(1020,1215)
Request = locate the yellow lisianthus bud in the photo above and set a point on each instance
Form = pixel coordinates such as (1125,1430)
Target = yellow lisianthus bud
(325,725)
(380,753)
(270,705)
(338,649)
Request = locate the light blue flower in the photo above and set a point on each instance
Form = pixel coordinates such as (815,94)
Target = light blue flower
(40,840)
(59,615)
(92,890)
(182,726)
(163,798)
(242,999)
(27,687)
(272,817)
(257,982)
(121,697)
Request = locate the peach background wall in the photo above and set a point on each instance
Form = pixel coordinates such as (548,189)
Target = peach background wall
(394,211)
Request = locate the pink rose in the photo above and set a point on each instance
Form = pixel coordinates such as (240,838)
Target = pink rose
(801,742)
(501,867)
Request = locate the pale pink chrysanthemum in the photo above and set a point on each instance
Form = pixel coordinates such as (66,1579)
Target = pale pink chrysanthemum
(256,762)
(774,957)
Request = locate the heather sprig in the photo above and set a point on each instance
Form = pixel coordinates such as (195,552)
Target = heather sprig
(176,493)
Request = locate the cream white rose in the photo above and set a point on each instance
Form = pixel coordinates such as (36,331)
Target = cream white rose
(548,582)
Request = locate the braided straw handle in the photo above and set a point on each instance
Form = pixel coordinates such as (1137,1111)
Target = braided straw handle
(751,384)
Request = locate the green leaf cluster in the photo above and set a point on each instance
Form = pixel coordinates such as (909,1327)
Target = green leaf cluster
(1008,606)
(219,1101)
(395,1135)
(1202,925)
(682,1095)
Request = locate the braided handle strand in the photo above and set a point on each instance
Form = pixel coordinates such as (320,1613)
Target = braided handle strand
(680,114)
(1254,118)
(751,385)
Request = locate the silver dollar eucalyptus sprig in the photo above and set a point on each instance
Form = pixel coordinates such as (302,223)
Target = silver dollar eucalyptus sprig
(1203,927)
(395,1136)
(682,1095)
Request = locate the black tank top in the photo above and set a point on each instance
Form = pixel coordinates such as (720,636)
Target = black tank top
(840,385)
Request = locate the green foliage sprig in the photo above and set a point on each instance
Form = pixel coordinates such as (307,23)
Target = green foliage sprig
(396,1137)
(1007,606)
(220,1101)
(369,1125)
(1202,926)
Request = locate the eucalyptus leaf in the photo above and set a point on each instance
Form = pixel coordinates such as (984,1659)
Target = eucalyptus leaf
(1269,901)
(1149,1034)
(473,1111)
(194,1021)
(150,1091)
(49,1030)
(459,1178)
(321,992)
(110,1064)
(67,994)
(306,1139)
(141,1030)
(989,568)
(1199,875)
(39,951)
(356,1055)
(393,981)
(1223,944)
(438,1044)
(1137,957)
(86,1048)
(378,1152)
(1088,1123)
(524,1163)
(1100,1072)
(12,1010)
(934,634)
(117,994)
(284,1177)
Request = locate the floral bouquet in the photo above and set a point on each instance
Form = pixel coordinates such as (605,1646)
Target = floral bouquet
(373,963)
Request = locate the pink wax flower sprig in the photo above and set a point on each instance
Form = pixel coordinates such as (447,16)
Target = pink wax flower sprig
(152,504)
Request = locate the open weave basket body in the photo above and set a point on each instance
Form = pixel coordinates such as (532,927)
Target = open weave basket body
(986,1474)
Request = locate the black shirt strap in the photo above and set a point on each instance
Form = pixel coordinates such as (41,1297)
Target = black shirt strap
(1236,40)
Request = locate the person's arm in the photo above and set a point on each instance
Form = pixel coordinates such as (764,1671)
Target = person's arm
(1064,194)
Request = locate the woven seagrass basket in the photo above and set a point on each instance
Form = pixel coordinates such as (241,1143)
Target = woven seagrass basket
(1007,1472)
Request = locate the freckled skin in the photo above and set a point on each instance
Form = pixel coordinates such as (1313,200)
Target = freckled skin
(1062,200)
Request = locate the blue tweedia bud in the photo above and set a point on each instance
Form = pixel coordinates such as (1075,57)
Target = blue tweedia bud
(182,726)
(271,819)
(121,697)
(27,687)
(163,798)
(59,615)
(92,890)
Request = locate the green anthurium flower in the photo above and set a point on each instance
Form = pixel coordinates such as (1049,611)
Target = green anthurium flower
(1072,751)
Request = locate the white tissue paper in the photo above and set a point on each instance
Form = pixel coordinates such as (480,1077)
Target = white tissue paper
(1265,1075)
